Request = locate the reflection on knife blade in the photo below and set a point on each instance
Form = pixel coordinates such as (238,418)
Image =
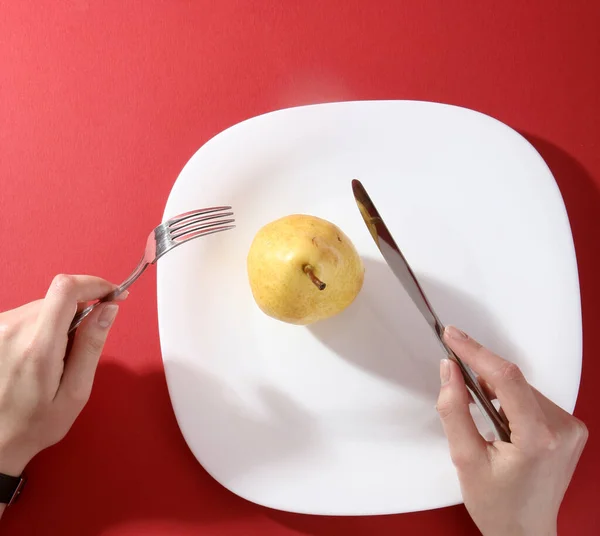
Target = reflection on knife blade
(371,225)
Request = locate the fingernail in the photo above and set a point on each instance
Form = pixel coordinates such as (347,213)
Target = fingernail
(456,334)
(122,295)
(107,315)
(444,371)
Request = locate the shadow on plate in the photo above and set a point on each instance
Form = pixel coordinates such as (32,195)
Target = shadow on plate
(383,333)
(273,429)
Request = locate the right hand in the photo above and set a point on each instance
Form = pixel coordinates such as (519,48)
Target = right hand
(509,489)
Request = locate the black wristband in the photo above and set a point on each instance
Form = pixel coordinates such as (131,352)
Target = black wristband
(10,488)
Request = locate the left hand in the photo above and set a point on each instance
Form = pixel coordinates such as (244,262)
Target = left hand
(42,388)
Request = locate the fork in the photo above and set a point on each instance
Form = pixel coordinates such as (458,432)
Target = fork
(164,238)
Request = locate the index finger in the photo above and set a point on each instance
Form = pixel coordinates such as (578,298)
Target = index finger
(60,303)
(514,393)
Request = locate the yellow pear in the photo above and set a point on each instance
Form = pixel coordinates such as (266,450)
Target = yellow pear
(303,269)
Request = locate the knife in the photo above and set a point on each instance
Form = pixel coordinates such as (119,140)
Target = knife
(401,269)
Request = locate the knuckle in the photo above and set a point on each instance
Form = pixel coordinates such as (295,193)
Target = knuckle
(32,351)
(547,440)
(510,372)
(473,349)
(580,431)
(461,459)
(477,348)
(7,331)
(445,409)
(64,283)
(94,345)
(478,351)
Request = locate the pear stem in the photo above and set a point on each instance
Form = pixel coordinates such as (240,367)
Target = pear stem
(308,270)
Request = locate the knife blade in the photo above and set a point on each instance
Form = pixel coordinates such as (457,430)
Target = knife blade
(403,272)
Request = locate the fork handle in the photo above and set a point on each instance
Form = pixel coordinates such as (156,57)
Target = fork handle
(139,270)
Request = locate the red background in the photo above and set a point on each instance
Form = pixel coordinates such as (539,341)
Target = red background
(102,103)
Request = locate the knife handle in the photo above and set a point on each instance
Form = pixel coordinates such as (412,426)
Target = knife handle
(498,422)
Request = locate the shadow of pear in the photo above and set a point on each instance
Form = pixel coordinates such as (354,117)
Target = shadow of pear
(384,333)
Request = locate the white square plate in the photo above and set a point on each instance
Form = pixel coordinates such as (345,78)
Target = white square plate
(339,418)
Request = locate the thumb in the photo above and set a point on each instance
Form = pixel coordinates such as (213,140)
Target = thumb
(80,367)
(467,447)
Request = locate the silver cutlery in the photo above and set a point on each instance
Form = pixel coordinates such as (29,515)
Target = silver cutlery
(402,270)
(164,238)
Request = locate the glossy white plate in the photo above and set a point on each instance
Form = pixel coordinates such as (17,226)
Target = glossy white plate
(339,418)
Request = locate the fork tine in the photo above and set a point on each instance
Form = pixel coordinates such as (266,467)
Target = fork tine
(192,220)
(182,233)
(190,235)
(194,213)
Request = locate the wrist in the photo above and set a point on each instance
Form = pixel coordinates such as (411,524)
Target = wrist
(13,461)
(541,529)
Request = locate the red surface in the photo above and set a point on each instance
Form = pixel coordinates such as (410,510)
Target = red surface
(102,103)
